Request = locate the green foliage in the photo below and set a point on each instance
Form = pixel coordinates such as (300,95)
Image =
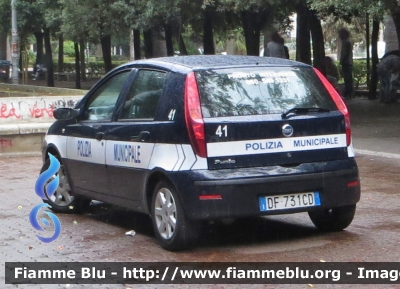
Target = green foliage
(359,72)
(92,67)
(332,25)
(191,40)
(347,9)
(119,58)
(237,38)
(5,15)
(69,49)
(31,57)
(90,19)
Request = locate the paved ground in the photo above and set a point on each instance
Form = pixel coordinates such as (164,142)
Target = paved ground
(375,126)
(100,235)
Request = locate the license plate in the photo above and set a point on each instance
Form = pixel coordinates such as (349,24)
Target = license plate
(292,201)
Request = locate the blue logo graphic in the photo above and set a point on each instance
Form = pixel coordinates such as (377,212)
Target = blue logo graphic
(45,192)
(45,176)
(36,225)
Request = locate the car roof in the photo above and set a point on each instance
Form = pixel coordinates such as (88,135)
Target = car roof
(201,62)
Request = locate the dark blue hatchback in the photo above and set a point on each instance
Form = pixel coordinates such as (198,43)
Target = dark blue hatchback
(194,138)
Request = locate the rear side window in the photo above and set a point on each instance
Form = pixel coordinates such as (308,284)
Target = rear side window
(143,95)
(264,90)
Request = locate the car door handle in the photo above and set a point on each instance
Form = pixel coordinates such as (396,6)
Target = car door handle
(144,136)
(99,136)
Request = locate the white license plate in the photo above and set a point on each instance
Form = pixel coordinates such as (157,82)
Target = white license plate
(292,201)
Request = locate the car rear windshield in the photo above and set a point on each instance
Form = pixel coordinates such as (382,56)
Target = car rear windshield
(262,90)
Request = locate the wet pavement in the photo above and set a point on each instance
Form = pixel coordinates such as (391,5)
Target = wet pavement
(100,234)
(375,126)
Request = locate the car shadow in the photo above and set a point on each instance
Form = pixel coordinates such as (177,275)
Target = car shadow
(120,217)
(255,230)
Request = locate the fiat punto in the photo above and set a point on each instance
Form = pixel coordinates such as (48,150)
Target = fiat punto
(195,138)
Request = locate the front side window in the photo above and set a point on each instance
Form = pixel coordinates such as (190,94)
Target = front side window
(100,105)
(144,95)
(265,90)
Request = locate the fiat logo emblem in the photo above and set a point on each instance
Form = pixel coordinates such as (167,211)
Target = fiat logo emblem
(287,130)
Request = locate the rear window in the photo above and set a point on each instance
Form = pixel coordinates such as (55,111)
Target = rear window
(264,90)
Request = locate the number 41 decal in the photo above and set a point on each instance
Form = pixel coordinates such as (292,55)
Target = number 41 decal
(171,114)
(222,131)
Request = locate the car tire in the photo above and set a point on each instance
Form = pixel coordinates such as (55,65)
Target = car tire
(172,228)
(334,219)
(63,201)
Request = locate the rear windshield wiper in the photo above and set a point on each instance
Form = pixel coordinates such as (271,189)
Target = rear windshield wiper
(302,110)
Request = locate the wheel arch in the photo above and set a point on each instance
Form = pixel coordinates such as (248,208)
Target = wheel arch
(154,178)
(53,150)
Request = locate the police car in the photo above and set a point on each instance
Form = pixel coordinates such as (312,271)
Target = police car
(194,138)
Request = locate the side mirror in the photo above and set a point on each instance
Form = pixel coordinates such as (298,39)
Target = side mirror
(65,113)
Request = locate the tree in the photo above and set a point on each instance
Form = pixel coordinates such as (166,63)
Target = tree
(5,22)
(31,19)
(303,47)
(376,9)
(317,40)
(254,15)
(96,21)
(208,34)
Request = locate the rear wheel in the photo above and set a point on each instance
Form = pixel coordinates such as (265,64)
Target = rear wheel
(334,219)
(63,201)
(173,229)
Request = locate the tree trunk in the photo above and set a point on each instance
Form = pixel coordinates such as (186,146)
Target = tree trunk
(303,47)
(182,46)
(136,42)
(208,35)
(60,53)
(251,32)
(49,58)
(148,43)
(77,67)
(22,47)
(168,40)
(374,51)
(396,20)
(318,42)
(390,35)
(3,45)
(82,57)
(106,49)
(267,37)
(39,47)
(367,44)
(159,42)
(131,46)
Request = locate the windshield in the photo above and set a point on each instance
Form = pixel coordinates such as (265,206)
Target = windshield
(263,90)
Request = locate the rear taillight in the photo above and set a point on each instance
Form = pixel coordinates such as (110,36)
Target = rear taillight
(353,184)
(193,116)
(210,197)
(339,103)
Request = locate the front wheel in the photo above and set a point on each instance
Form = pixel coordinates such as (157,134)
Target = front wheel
(333,219)
(63,201)
(173,229)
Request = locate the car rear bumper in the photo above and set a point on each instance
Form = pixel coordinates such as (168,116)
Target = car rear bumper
(235,193)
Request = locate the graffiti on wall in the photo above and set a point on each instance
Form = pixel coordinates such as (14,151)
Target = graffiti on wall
(7,112)
(26,109)
(5,143)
